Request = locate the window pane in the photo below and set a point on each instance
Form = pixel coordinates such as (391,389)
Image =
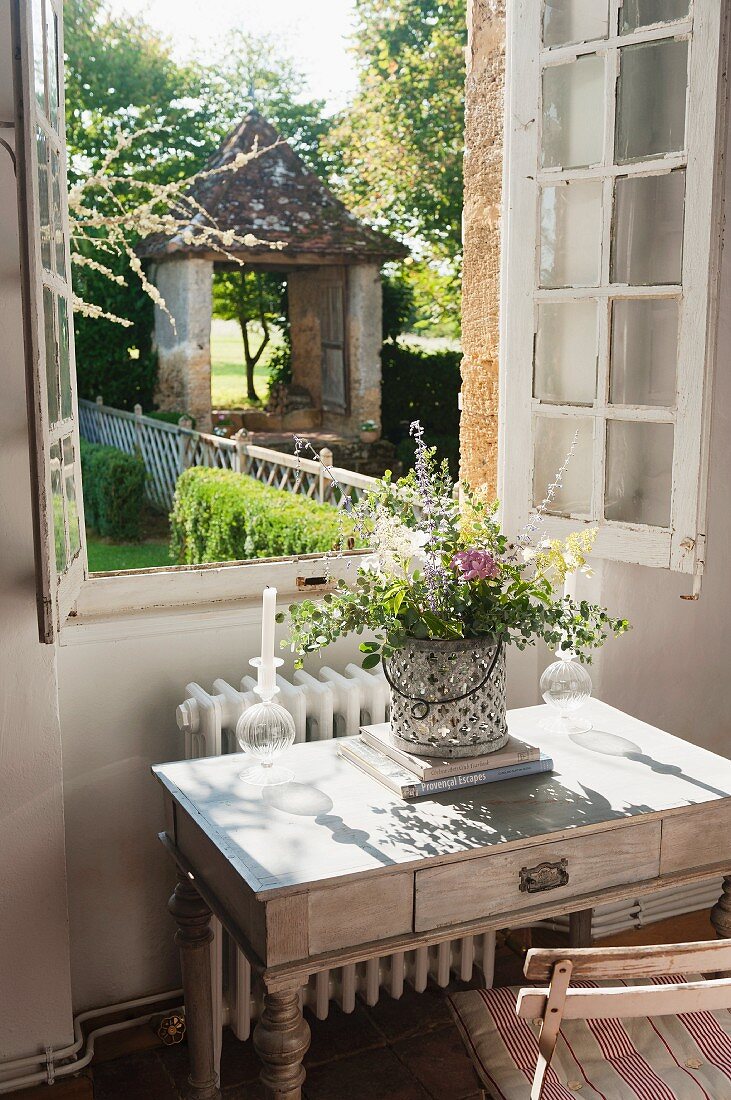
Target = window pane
(52,63)
(639,472)
(64,358)
(39,78)
(44,213)
(651,101)
(59,532)
(58,233)
(643,13)
(644,352)
(72,510)
(569,21)
(571,228)
(553,439)
(648,229)
(573,97)
(566,352)
(49,327)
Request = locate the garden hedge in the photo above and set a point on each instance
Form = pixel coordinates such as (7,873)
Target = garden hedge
(221,515)
(114,487)
(419,385)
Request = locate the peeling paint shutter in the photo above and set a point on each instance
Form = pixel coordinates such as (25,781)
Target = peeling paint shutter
(332,333)
(47,308)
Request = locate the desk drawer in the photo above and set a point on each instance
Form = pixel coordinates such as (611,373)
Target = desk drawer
(691,840)
(359,912)
(507,882)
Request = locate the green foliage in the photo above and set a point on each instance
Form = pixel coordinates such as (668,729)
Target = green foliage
(398,312)
(114,485)
(280,367)
(442,570)
(252,297)
(168,416)
(446,445)
(418,385)
(399,146)
(220,515)
(104,556)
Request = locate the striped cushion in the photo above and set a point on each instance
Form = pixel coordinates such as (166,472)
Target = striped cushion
(685,1057)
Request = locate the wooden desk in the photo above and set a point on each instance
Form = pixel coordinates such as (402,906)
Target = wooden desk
(332,869)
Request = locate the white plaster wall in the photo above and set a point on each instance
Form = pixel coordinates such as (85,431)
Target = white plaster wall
(35,992)
(118,702)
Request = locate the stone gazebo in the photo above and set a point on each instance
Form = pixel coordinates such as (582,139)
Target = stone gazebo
(332,263)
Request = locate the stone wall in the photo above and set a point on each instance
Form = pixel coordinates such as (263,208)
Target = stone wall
(184,350)
(483,167)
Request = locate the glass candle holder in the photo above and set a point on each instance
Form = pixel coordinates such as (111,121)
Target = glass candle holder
(565,686)
(266,730)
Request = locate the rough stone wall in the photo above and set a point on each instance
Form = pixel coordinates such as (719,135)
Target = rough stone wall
(184,352)
(304,292)
(364,337)
(483,166)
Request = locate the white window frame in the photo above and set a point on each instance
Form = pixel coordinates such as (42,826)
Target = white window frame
(681,546)
(74,598)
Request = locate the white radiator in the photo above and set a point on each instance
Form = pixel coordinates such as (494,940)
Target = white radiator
(334,704)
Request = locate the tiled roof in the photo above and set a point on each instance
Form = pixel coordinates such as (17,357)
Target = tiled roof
(276,198)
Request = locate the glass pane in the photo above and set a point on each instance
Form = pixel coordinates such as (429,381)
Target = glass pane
(64,358)
(648,229)
(571,230)
(69,482)
(52,63)
(573,98)
(651,101)
(566,352)
(553,439)
(44,212)
(39,78)
(58,233)
(569,21)
(59,532)
(643,13)
(639,472)
(49,328)
(644,352)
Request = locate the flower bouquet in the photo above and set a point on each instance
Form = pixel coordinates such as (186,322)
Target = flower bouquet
(441,594)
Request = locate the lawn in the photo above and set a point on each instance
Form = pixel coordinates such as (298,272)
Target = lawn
(228,373)
(105,556)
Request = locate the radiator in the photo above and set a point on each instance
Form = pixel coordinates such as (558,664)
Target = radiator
(333,704)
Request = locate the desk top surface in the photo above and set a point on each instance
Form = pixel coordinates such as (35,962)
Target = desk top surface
(335,821)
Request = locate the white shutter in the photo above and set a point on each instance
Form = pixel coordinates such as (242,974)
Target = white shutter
(610,266)
(47,307)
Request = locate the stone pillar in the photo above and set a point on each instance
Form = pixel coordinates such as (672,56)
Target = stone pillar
(364,336)
(184,350)
(483,167)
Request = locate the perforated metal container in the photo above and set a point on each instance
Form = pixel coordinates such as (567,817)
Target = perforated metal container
(448,697)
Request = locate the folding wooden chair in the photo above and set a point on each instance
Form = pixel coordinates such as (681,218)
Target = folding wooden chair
(615,1023)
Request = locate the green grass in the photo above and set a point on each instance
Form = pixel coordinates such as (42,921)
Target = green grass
(228,372)
(105,556)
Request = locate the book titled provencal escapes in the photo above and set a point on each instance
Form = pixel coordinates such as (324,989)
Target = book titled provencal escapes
(404,783)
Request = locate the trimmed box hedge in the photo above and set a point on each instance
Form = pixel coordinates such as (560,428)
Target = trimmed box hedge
(114,488)
(221,515)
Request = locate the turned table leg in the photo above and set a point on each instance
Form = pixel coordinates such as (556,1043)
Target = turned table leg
(193,937)
(281,1039)
(580,928)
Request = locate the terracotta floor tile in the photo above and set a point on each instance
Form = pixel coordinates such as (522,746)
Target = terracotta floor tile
(341,1034)
(138,1077)
(413,1013)
(239,1061)
(369,1075)
(439,1061)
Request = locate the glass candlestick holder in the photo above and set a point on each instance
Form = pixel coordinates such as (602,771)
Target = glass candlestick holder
(266,730)
(565,686)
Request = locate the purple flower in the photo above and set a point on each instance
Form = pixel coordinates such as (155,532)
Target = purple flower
(475,565)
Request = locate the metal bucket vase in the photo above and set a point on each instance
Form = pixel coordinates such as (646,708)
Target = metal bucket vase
(448,697)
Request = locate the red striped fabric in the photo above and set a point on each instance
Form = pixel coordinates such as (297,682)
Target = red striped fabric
(705,1030)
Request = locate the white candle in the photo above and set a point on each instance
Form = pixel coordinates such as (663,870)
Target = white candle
(569,584)
(268,611)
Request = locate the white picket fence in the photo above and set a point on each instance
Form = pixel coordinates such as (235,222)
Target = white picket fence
(168,449)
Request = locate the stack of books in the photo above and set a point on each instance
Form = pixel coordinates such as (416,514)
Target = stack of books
(414,776)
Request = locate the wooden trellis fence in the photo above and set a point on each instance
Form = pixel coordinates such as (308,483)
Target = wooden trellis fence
(168,449)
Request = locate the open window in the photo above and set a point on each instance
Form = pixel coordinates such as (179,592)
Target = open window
(613,115)
(47,305)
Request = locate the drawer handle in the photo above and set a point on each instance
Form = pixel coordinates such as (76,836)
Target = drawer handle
(546,876)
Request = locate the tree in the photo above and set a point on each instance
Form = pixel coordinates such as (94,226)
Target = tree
(254,299)
(399,146)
